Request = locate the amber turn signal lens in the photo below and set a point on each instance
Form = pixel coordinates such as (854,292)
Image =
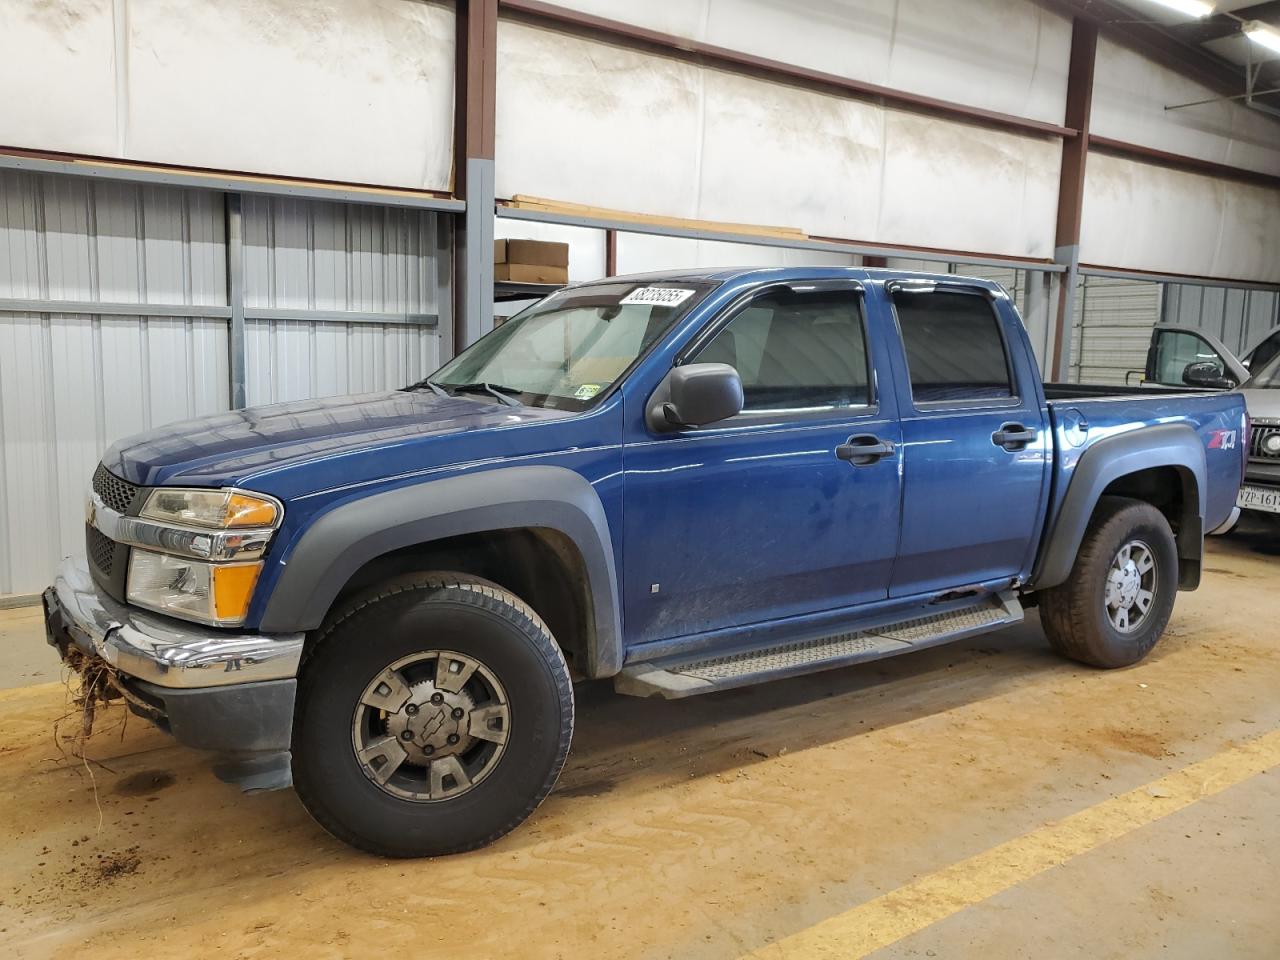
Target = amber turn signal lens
(233,589)
(247,511)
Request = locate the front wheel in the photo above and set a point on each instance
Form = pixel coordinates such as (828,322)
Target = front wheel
(1115,605)
(434,715)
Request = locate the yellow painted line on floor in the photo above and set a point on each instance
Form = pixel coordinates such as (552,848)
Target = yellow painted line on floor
(922,903)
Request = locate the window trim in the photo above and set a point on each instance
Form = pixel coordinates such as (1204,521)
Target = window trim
(1015,398)
(758,418)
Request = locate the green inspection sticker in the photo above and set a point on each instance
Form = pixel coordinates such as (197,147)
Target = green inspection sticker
(587,391)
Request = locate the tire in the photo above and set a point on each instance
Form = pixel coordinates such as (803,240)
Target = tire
(429,625)
(1078,615)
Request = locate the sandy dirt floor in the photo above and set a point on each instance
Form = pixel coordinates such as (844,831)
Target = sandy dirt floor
(714,826)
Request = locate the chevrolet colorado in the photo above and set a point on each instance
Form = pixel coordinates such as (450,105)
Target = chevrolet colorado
(684,481)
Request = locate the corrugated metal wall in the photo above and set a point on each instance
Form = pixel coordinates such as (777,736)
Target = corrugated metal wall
(307,255)
(73,383)
(1239,318)
(1111,329)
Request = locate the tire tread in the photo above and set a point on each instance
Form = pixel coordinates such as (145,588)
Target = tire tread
(484,595)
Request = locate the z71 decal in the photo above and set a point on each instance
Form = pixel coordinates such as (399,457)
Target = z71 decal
(1223,440)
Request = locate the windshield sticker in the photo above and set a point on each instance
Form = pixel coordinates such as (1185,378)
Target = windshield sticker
(587,391)
(658,296)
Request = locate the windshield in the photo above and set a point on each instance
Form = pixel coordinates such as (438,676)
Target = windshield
(1268,377)
(569,349)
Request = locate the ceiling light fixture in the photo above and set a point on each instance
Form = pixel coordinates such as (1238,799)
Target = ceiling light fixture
(1192,8)
(1263,35)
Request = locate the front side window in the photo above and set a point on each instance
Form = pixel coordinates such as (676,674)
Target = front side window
(953,345)
(567,350)
(796,351)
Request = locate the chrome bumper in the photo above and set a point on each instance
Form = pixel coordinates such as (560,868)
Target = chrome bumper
(161,650)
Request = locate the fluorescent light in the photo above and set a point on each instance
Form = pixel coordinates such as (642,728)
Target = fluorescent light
(1260,33)
(1192,8)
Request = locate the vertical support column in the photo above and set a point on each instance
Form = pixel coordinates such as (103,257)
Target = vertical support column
(473,151)
(1075,153)
(238,361)
(611,252)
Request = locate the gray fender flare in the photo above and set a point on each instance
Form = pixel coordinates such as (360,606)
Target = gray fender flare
(343,540)
(1168,445)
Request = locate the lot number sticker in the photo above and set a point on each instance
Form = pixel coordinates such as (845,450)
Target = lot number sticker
(658,296)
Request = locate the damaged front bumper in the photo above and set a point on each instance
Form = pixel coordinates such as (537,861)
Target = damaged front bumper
(231,693)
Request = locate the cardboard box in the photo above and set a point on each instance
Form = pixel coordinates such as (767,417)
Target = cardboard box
(539,253)
(530,273)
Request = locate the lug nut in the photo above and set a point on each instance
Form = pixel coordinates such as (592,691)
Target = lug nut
(458,713)
(437,698)
(411,709)
(428,749)
(453,738)
(407,735)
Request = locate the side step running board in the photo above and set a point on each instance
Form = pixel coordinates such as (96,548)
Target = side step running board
(676,677)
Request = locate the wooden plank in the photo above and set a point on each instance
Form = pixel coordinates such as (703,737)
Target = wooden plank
(524,202)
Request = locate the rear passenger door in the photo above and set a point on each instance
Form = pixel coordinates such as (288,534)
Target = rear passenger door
(975,446)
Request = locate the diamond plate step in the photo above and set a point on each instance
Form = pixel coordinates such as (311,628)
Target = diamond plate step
(673,678)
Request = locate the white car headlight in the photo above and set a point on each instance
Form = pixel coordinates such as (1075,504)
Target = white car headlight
(215,593)
(221,509)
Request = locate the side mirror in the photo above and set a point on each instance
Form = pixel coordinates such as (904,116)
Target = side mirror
(694,395)
(1208,374)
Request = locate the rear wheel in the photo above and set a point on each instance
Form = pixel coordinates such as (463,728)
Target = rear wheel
(434,715)
(1115,605)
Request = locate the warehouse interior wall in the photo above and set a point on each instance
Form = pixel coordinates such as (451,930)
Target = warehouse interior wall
(1011,56)
(636,131)
(318,89)
(310,255)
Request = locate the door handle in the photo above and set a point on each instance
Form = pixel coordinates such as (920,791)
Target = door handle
(1013,436)
(864,449)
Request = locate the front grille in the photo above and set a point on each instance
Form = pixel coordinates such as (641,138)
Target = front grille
(102,550)
(115,493)
(1258,436)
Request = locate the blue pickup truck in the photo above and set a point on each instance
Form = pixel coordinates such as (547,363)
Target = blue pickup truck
(683,481)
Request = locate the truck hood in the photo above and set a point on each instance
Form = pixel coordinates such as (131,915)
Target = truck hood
(239,447)
(1263,403)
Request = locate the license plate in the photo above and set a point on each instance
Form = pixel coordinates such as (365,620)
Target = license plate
(1259,498)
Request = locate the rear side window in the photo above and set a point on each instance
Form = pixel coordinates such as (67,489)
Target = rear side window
(953,345)
(796,351)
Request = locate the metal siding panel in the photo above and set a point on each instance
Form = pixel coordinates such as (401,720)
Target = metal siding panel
(71,385)
(1113,328)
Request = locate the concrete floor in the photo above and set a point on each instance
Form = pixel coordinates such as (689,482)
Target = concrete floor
(984,800)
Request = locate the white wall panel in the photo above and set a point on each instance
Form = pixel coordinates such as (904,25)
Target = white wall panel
(1003,55)
(645,133)
(1145,217)
(1130,94)
(350,90)
(58,72)
(640,253)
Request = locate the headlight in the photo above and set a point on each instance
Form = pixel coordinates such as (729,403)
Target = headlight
(221,509)
(216,593)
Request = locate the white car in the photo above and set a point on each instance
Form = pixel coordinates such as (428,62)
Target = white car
(1184,356)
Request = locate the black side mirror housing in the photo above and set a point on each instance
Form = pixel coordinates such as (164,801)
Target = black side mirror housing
(1207,374)
(694,395)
